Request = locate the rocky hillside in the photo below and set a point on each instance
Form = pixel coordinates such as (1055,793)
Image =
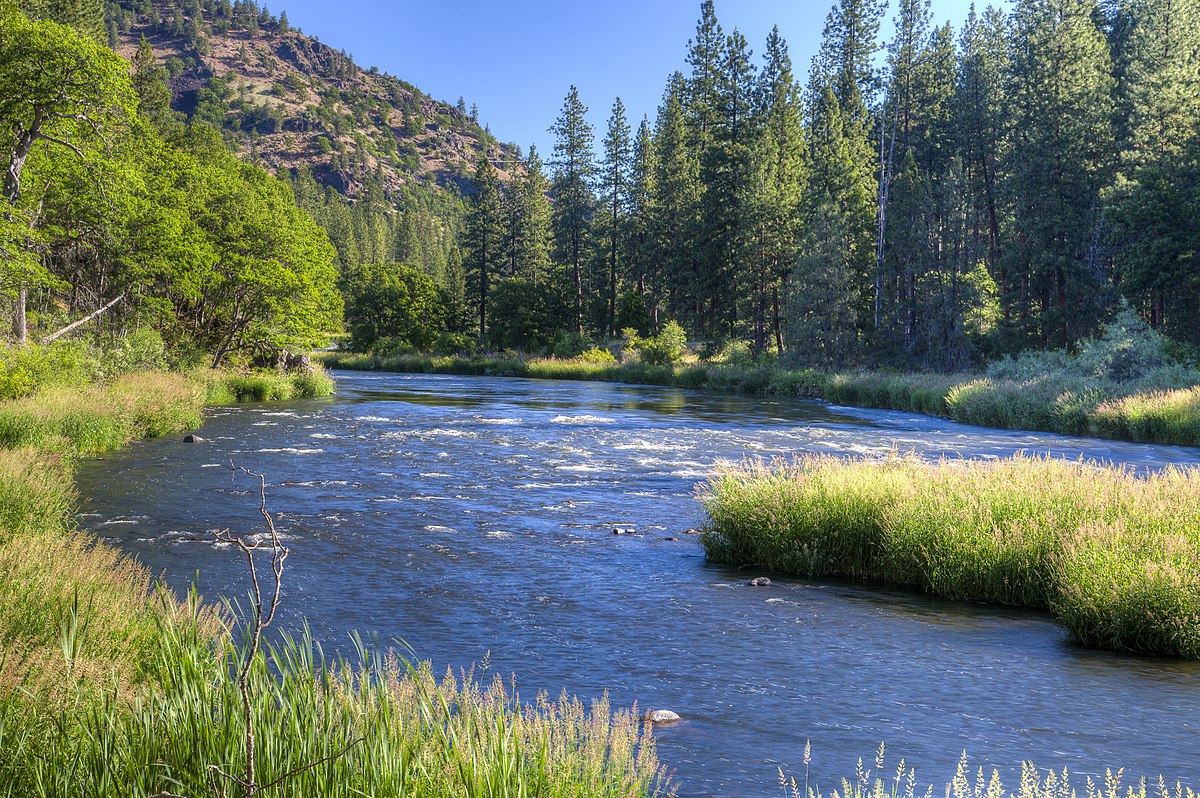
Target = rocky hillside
(296,102)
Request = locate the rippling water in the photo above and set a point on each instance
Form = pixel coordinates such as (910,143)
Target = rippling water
(474,517)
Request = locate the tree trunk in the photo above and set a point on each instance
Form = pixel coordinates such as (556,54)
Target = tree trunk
(19,317)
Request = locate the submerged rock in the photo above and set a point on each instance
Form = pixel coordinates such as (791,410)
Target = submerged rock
(661,716)
(619,531)
(192,439)
(760,581)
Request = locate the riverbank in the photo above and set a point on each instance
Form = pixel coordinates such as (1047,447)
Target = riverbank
(1113,556)
(1109,410)
(110,686)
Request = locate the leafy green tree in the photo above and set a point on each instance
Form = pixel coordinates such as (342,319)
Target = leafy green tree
(574,168)
(392,301)
(59,89)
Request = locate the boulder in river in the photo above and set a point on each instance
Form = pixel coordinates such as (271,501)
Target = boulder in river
(661,716)
(192,439)
(621,531)
(760,581)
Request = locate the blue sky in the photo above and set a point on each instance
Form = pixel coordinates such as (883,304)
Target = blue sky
(517,60)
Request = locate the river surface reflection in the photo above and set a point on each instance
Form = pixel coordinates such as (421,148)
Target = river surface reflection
(474,517)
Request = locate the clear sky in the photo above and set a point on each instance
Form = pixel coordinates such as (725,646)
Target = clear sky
(517,60)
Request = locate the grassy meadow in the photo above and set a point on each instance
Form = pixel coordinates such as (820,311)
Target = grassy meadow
(1114,556)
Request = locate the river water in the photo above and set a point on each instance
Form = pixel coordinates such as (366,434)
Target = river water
(474,517)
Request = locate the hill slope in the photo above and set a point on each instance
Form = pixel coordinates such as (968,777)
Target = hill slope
(295,102)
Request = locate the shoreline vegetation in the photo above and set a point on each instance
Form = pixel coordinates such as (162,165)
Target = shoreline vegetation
(1113,555)
(1111,409)
(110,685)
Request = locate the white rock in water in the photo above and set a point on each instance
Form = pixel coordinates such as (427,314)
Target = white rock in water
(662,716)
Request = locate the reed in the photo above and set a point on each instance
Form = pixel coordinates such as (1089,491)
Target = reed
(974,782)
(1115,556)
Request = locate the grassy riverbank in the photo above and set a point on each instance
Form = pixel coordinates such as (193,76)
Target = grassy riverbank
(1132,411)
(1113,556)
(111,687)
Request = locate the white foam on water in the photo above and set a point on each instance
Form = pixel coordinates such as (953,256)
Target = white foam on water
(265,424)
(434,475)
(498,533)
(584,419)
(437,528)
(325,436)
(651,446)
(281,413)
(584,467)
(289,450)
(373,418)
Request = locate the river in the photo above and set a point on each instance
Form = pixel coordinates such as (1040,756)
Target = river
(473,518)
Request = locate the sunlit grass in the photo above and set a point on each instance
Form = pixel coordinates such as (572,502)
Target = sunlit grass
(1113,555)
(374,727)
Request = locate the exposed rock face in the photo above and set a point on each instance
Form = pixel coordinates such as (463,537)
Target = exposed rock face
(192,439)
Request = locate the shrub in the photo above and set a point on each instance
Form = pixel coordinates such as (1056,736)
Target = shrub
(598,356)
(665,348)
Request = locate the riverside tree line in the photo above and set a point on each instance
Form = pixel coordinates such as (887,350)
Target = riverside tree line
(1000,187)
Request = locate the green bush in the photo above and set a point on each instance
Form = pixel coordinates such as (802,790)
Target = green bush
(598,356)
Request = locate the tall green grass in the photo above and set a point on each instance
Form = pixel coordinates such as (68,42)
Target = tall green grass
(1114,556)
(378,726)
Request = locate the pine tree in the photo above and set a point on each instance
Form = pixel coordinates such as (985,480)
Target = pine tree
(982,129)
(150,83)
(827,290)
(643,267)
(704,57)
(1062,104)
(483,238)
(726,175)
(1161,86)
(674,199)
(614,201)
(574,204)
(528,222)
(781,183)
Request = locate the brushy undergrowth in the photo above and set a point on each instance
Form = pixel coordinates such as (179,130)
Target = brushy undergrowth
(1113,555)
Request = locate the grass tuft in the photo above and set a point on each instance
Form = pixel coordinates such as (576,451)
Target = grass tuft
(1113,555)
